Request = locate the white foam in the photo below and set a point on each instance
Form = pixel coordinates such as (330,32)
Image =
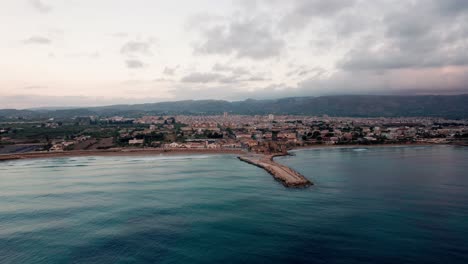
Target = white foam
(360,149)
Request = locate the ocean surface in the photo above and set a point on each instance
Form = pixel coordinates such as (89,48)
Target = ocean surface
(369,205)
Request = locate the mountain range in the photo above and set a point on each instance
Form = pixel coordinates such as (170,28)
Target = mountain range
(447,106)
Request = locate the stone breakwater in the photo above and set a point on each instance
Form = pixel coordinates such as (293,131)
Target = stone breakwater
(287,176)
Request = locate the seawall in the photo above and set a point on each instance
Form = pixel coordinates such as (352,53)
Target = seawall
(287,176)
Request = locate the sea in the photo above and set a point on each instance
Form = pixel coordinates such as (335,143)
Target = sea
(368,205)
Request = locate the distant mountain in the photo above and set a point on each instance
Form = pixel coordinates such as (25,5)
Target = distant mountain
(13,113)
(53,108)
(455,106)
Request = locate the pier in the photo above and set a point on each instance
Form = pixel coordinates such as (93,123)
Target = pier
(287,176)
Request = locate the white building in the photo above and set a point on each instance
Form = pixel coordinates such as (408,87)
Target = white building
(136,141)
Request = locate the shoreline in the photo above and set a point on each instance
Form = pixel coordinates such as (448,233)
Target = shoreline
(324,146)
(284,174)
(116,153)
(146,152)
(293,179)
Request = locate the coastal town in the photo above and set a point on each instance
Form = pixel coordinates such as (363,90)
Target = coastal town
(255,139)
(263,134)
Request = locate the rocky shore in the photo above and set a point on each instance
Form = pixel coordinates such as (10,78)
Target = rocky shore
(287,176)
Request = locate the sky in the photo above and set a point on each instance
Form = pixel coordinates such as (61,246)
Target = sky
(103,52)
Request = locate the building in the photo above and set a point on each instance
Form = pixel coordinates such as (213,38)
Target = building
(243,136)
(136,141)
(287,136)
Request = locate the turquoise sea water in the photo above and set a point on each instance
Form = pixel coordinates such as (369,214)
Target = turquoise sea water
(369,205)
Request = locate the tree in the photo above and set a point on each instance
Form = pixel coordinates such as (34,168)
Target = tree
(316,134)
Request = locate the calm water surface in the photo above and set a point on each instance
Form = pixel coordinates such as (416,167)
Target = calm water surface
(369,205)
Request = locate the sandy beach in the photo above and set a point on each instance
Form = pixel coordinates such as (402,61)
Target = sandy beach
(118,152)
(159,151)
(287,176)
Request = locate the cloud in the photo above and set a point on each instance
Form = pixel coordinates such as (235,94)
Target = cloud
(134,64)
(237,74)
(33,87)
(247,38)
(40,6)
(226,68)
(304,11)
(256,79)
(120,35)
(90,55)
(137,48)
(163,80)
(199,77)
(37,40)
(134,50)
(34,100)
(417,36)
(451,7)
(395,82)
(276,48)
(322,8)
(170,71)
(398,81)
(229,77)
(304,71)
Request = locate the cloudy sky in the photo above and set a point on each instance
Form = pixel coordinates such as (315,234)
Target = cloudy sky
(100,52)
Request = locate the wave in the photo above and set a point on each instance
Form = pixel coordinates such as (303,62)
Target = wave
(360,149)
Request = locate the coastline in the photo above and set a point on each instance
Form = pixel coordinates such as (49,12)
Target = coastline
(158,151)
(291,178)
(365,146)
(116,152)
(287,176)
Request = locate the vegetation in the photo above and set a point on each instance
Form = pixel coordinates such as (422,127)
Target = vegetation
(455,107)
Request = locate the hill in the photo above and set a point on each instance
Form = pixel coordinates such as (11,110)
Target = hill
(346,105)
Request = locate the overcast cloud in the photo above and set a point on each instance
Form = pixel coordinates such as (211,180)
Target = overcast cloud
(37,40)
(40,6)
(228,49)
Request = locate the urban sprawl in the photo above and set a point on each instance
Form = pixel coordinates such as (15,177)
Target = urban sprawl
(266,134)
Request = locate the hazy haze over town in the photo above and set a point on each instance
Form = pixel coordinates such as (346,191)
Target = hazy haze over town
(101,52)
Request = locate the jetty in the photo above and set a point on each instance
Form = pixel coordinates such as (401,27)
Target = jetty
(287,176)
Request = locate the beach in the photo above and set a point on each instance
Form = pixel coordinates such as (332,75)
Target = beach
(117,152)
(158,151)
(284,174)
